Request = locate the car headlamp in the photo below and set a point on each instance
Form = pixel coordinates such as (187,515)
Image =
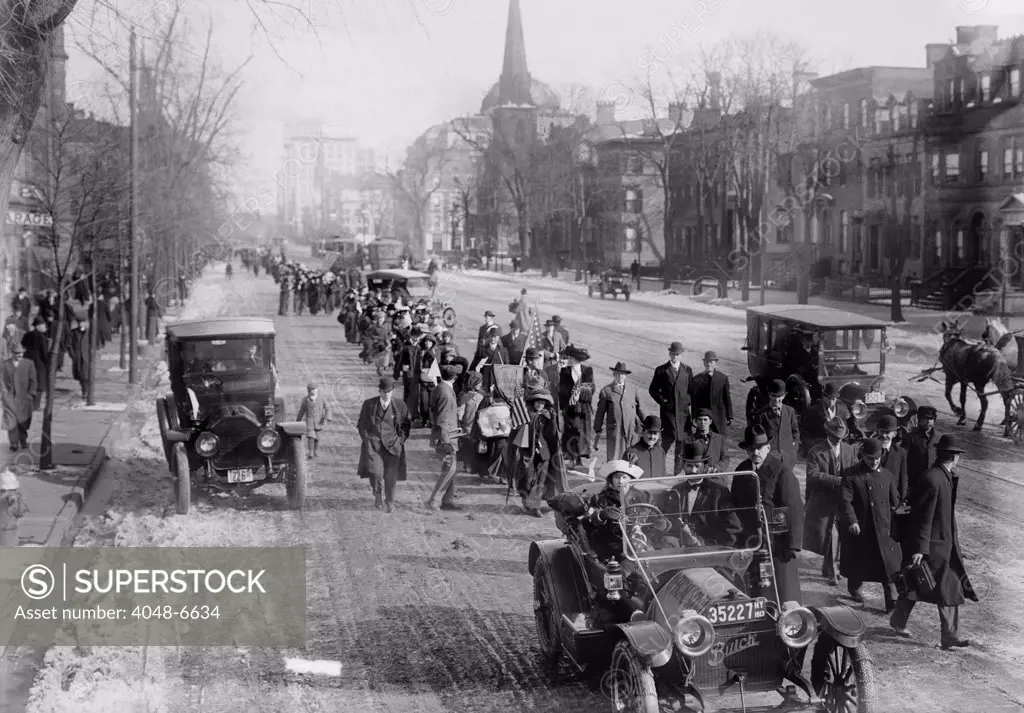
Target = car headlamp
(901,408)
(268,441)
(207,444)
(797,626)
(858,409)
(694,635)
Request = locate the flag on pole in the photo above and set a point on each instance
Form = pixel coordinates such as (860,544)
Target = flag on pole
(533,336)
(520,414)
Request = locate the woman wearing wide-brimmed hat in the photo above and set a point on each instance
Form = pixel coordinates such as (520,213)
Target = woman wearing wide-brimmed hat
(533,455)
(619,412)
(576,397)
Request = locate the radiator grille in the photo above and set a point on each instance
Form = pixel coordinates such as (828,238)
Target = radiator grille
(237,436)
(760,656)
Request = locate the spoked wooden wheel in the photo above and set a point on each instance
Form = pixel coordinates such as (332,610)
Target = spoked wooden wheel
(295,477)
(843,677)
(545,615)
(1015,424)
(631,682)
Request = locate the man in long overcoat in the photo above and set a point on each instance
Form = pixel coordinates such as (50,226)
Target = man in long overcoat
(932,538)
(491,353)
(383,427)
(826,464)
(37,351)
(20,387)
(670,389)
(619,413)
(779,488)
(514,342)
(647,453)
(870,554)
(484,333)
(781,424)
(552,343)
(710,391)
(444,415)
(814,418)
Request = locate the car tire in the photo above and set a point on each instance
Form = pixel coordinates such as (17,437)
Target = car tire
(546,616)
(631,681)
(183,479)
(295,483)
(831,662)
(161,419)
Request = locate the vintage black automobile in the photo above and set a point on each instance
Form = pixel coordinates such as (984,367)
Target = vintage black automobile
(416,290)
(223,425)
(809,346)
(675,619)
(610,283)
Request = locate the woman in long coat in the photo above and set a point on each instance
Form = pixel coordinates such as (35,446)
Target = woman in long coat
(533,456)
(383,432)
(576,395)
(869,552)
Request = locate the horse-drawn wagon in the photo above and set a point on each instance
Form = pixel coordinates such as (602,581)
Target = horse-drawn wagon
(978,363)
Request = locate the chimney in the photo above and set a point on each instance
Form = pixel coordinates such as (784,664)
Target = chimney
(677,112)
(934,52)
(969,34)
(715,85)
(605,113)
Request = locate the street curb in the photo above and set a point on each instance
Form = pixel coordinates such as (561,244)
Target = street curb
(76,498)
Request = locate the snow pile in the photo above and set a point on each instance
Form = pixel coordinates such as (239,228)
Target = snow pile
(100,679)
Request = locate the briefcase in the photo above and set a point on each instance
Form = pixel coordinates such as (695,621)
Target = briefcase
(916,578)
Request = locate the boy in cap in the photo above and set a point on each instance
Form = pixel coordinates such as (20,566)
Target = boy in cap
(315,413)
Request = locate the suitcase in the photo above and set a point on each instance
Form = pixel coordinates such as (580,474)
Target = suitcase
(916,578)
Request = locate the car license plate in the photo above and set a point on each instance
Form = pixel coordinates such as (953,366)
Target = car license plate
(874,397)
(242,475)
(737,612)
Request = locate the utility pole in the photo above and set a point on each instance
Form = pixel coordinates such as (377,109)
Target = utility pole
(133,223)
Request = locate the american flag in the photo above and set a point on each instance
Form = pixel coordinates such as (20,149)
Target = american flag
(520,415)
(533,335)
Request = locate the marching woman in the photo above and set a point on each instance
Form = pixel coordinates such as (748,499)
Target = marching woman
(576,393)
(533,455)
(426,372)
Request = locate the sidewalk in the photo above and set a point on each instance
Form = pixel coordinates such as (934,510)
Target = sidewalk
(908,334)
(54,497)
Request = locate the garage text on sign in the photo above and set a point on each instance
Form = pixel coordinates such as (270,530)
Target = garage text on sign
(20,217)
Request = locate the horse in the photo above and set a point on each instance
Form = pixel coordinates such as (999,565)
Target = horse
(967,362)
(999,335)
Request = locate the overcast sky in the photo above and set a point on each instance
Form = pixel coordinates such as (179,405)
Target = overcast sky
(388,69)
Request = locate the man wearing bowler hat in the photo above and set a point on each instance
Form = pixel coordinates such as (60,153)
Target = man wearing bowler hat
(826,464)
(894,458)
(670,389)
(712,444)
(707,515)
(383,427)
(647,453)
(813,420)
(619,412)
(560,329)
(484,332)
(781,424)
(779,489)
(711,392)
(931,539)
(514,342)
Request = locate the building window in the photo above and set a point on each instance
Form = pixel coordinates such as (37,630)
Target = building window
(826,227)
(960,97)
(894,117)
(844,231)
(935,167)
(873,176)
(864,114)
(986,87)
(882,121)
(1018,158)
(784,234)
(913,114)
(952,166)
(634,201)
(951,92)
(982,164)
(960,248)
(1014,83)
(630,246)
(937,245)
(846,115)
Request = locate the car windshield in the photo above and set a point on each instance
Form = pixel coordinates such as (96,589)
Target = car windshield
(205,356)
(690,515)
(418,288)
(850,352)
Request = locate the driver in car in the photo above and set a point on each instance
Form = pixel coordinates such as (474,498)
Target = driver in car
(706,515)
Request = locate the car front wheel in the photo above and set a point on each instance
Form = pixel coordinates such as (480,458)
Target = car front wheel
(183,482)
(546,615)
(843,677)
(631,682)
(295,485)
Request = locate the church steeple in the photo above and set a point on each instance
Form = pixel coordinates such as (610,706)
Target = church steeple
(515,77)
